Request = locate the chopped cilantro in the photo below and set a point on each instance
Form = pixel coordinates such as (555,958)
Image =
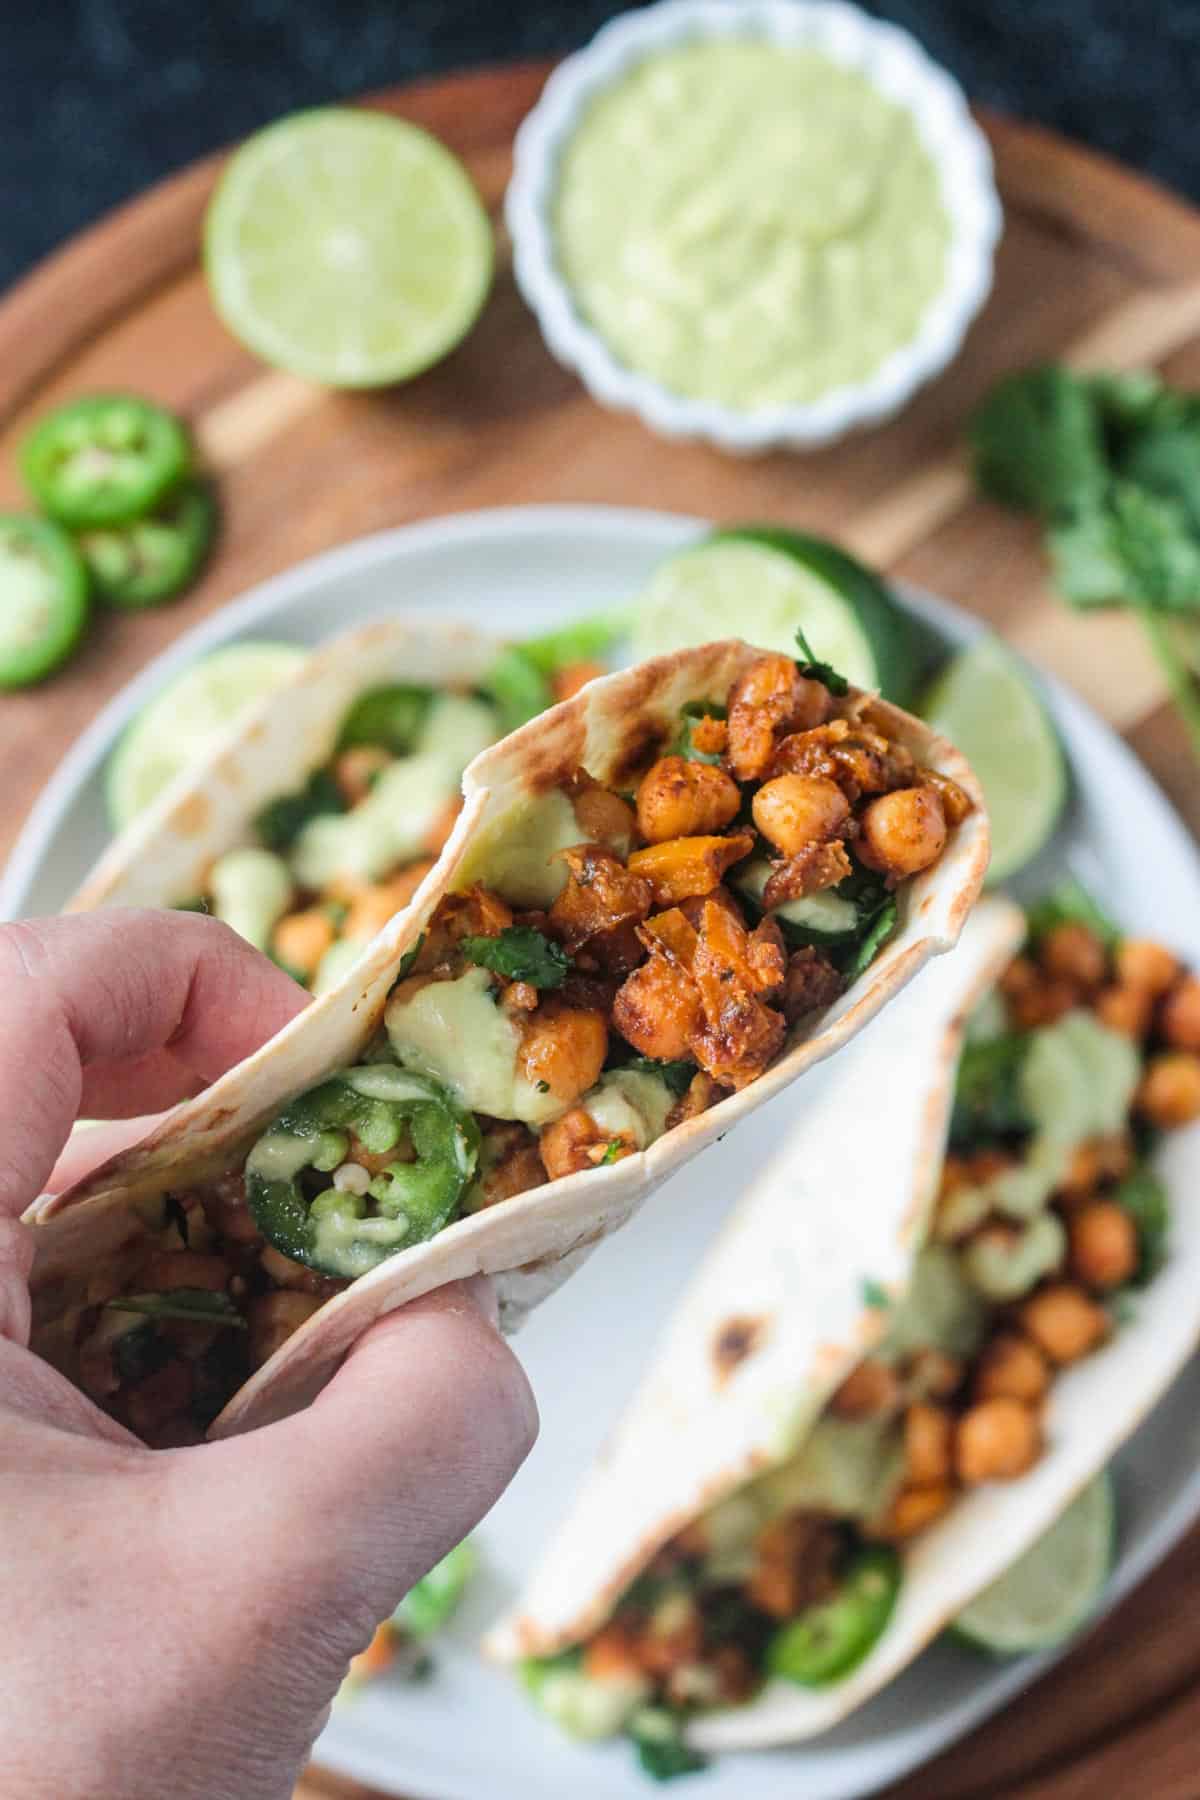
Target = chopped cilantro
(814,670)
(677,1075)
(1144,1198)
(520,953)
(543,1087)
(517,688)
(198,1304)
(409,958)
(390,717)
(987,1093)
(875,1295)
(613,1150)
(657,1735)
(876,935)
(1069,903)
(280,822)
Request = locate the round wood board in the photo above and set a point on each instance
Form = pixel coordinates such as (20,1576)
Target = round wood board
(1097,266)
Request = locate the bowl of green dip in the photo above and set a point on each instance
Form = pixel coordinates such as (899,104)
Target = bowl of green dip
(760,223)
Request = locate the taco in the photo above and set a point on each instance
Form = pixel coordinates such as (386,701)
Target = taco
(322,813)
(895,1370)
(598,977)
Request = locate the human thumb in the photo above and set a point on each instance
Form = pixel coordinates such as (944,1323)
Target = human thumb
(315,1527)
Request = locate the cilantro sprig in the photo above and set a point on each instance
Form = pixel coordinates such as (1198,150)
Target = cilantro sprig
(1111,463)
(813,669)
(520,953)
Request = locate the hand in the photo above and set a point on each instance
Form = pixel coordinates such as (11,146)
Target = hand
(178,1621)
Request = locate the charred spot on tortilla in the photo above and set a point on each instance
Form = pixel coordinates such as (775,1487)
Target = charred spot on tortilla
(638,744)
(191,816)
(734,1342)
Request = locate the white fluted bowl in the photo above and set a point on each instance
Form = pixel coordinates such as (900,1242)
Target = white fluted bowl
(896,65)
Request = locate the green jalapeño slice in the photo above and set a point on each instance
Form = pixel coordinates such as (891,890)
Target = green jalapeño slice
(104,460)
(151,559)
(43,599)
(825,1643)
(318,1204)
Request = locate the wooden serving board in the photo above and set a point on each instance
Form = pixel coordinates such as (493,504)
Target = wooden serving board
(1096,265)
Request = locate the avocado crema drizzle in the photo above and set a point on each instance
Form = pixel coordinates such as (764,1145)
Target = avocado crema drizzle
(611,965)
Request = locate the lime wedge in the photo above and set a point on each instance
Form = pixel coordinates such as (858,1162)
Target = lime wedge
(985,703)
(347,246)
(761,584)
(1054,1588)
(191,715)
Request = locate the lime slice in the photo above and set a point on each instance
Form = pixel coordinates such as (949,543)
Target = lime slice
(348,247)
(985,703)
(1054,1588)
(191,715)
(760,584)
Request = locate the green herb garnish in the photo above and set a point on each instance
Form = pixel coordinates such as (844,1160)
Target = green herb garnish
(987,1093)
(881,928)
(391,718)
(200,1305)
(1144,1198)
(613,1151)
(410,957)
(520,953)
(657,1735)
(1069,903)
(280,822)
(677,1075)
(690,716)
(815,670)
(1111,463)
(875,1295)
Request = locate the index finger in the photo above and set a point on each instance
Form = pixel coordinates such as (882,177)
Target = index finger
(171,1000)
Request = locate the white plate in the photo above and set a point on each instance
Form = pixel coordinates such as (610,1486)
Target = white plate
(467,1735)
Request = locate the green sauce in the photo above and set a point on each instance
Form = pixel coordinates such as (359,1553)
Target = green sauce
(750,224)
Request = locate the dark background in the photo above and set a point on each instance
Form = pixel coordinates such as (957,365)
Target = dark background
(98,98)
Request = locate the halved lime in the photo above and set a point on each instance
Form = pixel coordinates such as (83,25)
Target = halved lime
(984,702)
(347,246)
(761,583)
(1055,1587)
(192,713)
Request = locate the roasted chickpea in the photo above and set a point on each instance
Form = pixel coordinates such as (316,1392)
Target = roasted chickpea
(1020,977)
(1104,1244)
(1180,1017)
(867,1391)
(603,817)
(1169,1094)
(928,1444)
(912,1509)
(996,1441)
(301,940)
(1141,963)
(564,1046)
(1125,1008)
(1044,1004)
(1064,1322)
(795,810)
(1092,1163)
(1011,1368)
(678,798)
(1074,953)
(903,832)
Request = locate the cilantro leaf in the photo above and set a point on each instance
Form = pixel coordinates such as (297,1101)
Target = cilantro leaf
(1131,548)
(199,1304)
(987,1091)
(1037,443)
(410,957)
(814,670)
(677,1075)
(1144,1198)
(520,953)
(874,1294)
(390,717)
(1069,903)
(517,687)
(657,1735)
(876,935)
(280,822)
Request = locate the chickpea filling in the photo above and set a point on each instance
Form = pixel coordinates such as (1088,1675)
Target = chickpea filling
(613,974)
(329,863)
(1049,1220)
